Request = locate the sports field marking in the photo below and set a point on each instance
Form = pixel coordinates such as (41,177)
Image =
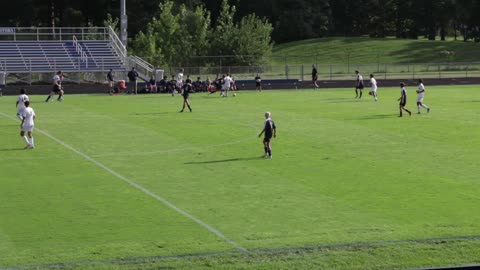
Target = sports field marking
(139,187)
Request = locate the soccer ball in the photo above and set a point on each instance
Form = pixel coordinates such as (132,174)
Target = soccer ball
(234,94)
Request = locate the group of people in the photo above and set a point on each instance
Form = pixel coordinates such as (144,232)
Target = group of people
(359,86)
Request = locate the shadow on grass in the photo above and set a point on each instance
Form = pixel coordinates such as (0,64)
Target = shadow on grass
(150,113)
(377,116)
(223,160)
(11,149)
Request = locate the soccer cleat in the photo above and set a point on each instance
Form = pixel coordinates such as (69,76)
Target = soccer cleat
(409,113)
(418,112)
(270,157)
(266,156)
(181,111)
(428,110)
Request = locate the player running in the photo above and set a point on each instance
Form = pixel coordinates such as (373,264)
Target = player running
(359,85)
(403,100)
(21,103)
(270,130)
(57,87)
(421,94)
(28,117)
(185,93)
(315,76)
(373,84)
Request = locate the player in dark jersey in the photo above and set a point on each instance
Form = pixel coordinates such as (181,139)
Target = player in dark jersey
(270,130)
(187,87)
(403,100)
(315,76)
(258,82)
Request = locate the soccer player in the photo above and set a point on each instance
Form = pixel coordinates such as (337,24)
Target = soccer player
(359,85)
(186,91)
(270,130)
(258,82)
(111,80)
(373,83)
(227,83)
(132,76)
(21,103)
(421,94)
(180,79)
(403,100)
(315,76)
(57,87)
(27,124)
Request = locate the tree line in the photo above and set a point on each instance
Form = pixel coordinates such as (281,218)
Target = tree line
(171,30)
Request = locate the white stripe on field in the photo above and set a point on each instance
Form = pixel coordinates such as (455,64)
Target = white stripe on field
(139,187)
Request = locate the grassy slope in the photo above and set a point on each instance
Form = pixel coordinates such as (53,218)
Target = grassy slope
(343,171)
(370,51)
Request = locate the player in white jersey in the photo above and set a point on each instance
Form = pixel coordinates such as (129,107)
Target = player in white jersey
(28,117)
(421,94)
(227,83)
(57,87)
(21,103)
(180,79)
(373,83)
(359,85)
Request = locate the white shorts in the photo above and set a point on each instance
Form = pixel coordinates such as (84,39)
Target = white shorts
(420,99)
(27,128)
(225,88)
(19,114)
(374,90)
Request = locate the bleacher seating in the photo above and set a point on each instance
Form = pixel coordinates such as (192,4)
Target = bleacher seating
(47,56)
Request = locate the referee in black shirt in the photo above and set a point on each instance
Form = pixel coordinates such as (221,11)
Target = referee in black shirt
(270,130)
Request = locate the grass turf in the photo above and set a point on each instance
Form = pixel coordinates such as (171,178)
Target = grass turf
(344,171)
(362,50)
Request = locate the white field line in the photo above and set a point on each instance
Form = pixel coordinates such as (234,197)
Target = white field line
(139,187)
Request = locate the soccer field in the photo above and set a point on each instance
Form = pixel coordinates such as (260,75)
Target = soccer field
(128,182)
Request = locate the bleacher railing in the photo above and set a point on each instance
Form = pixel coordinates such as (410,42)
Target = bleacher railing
(53,33)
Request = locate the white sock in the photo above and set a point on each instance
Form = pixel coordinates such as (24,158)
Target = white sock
(424,106)
(26,140)
(418,107)
(31,142)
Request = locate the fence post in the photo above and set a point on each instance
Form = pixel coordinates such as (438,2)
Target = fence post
(302,71)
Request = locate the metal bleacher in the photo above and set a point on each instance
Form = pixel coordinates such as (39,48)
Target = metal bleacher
(87,51)
(39,50)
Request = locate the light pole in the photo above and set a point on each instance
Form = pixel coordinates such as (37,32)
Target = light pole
(123,22)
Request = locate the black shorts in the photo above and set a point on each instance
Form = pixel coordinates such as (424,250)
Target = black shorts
(360,86)
(257,84)
(56,88)
(267,139)
(402,104)
(315,78)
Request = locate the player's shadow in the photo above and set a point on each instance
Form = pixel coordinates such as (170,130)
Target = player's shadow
(222,160)
(376,116)
(150,113)
(10,149)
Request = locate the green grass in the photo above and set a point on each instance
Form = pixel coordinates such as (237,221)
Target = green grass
(362,50)
(344,172)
